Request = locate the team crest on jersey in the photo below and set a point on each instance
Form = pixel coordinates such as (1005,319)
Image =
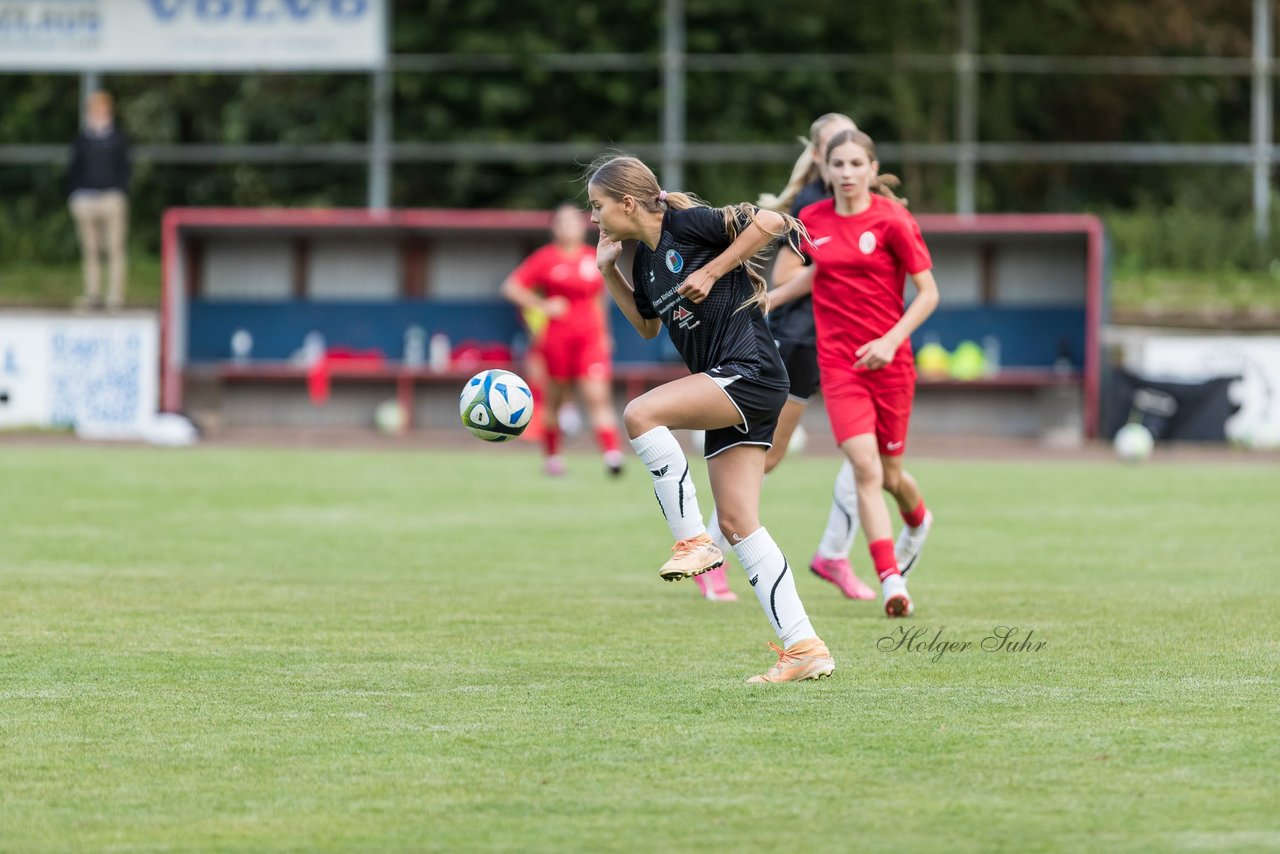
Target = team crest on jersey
(674,262)
(682,317)
(867,243)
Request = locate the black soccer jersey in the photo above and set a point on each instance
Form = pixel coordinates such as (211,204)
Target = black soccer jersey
(713,333)
(792,322)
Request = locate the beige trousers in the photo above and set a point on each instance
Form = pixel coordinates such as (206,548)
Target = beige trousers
(102,223)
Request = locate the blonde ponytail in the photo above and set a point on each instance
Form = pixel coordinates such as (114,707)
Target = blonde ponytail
(805,170)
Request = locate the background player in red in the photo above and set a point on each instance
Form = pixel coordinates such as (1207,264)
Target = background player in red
(793,331)
(695,273)
(862,244)
(561,281)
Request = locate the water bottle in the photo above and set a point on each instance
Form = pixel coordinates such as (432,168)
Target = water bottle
(439,352)
(312,348)
(991,354)
(241,345)
(415,347)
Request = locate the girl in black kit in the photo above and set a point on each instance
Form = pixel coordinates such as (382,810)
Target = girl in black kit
(695,273)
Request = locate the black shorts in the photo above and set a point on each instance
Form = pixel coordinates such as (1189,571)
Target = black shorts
(759,405)
(802,366)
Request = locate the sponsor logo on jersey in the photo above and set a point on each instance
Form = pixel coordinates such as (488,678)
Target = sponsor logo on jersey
(684,318)
(674,262)
(818,241)
(867,243)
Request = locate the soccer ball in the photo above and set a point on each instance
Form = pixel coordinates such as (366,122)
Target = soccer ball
(496,405)
(1134,442)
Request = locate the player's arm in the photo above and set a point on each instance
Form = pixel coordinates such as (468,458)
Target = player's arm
(607,254)
(526,298)
(880,352)
(763,230)
(791,277)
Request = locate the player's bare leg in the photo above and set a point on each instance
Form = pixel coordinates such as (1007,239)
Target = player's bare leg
(868,473)
(556,395)
(604,421)
(788,418)
(917,519)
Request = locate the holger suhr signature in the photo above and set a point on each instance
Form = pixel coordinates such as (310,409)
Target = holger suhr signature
(922,639)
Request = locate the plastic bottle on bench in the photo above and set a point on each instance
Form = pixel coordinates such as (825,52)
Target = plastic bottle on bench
(415,347)
(439,350)
(991,354)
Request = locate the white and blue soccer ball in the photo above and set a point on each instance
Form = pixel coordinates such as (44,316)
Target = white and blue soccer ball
(1134,442)
(496,405)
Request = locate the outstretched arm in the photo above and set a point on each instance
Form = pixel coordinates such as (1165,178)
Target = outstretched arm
(607,253)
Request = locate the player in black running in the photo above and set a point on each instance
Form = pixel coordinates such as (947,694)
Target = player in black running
(793,329)
(695,272)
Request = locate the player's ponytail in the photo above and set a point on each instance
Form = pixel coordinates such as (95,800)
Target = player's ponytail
(792,229)
(805,169)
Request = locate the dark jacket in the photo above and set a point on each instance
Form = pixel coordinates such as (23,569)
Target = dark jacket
(99,162)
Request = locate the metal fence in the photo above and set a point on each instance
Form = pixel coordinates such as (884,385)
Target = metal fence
(965,152)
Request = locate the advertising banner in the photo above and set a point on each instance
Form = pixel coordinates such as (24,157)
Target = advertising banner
(191,35)
(98,375)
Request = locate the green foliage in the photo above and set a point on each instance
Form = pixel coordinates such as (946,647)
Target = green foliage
(1150,208)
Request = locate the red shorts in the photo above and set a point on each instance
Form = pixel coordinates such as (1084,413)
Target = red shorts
(857,403)
(576,357)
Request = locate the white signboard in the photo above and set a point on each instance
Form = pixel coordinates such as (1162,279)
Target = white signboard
(204,35)
(98,375)
(1255,360)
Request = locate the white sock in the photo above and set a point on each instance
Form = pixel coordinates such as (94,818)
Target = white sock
(775,587)
(842,521)
(713,531)
(662,456)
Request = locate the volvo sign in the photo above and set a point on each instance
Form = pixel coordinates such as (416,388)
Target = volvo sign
(189,35)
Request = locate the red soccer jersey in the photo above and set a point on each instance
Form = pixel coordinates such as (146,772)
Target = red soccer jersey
(574,276)
(861,264)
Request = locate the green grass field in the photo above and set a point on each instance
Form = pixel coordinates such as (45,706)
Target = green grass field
(225,649)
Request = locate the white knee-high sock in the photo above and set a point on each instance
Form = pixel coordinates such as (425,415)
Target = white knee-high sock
(775,587)
(842,521)
(713,531)
(663,457)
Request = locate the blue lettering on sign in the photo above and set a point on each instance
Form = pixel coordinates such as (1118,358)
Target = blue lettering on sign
(166,11)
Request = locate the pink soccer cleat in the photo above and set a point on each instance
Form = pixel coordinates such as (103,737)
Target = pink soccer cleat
(840,573)
(714,586)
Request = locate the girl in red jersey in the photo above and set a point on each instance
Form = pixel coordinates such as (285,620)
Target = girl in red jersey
(862,244)
(561,281)
(793,331)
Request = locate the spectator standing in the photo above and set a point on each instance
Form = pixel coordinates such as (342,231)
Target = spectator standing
(98,187)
